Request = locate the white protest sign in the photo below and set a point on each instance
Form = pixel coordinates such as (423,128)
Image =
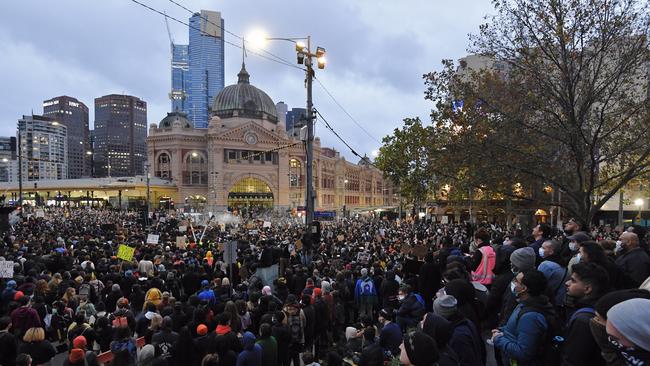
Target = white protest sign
(40,213)
(152,239)
(181,242)
(182,228)
(266,224)
(6,269)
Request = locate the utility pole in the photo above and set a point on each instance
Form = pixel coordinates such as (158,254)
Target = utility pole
(146,218)
(310,137)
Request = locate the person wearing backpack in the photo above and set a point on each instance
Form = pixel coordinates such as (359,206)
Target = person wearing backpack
(365,294)
(522,339)
(295,319)
(588,283)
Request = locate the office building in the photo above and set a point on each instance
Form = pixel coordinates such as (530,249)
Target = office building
(7,158)
(282,108)
(73,114)
(206,65)
(295,120)
(180,75)
(43,147)
(119,137)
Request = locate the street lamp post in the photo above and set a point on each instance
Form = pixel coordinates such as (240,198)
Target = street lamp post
(305,56)
(345,197)
(146,218)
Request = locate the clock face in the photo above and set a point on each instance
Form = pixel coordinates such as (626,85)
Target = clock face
(250,138)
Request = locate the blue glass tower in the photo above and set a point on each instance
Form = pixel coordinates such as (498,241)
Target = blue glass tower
(206,65)
(180,71)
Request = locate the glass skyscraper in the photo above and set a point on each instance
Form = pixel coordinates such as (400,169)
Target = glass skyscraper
(180,76)
(206,65)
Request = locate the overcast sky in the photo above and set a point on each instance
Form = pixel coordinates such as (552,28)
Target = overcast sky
(377,51)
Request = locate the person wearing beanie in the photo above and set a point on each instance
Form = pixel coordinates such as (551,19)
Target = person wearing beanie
(147,355)
(465,340)
(8,294)
(390,336)
(418,349)
(521,260)
(520,339)
(207,294)
(77,356)
(205,342)
(440,329)
(598,323)
(628,327)
(322,322)
(365,294)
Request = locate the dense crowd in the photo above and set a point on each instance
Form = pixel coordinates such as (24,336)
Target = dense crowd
(363,291)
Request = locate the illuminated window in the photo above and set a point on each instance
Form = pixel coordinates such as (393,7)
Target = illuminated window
(295,169)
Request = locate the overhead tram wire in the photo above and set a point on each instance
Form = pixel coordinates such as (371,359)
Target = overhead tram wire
(280,61)
(229,32)
(345,111)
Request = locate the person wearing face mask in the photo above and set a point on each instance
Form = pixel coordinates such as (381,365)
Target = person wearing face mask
(599,321)
(554,272)
(390,336)
(411,309)
(465,338)
(522,339)
(587,284)
(632,259)
(571,228)
(574,245)
(628,328)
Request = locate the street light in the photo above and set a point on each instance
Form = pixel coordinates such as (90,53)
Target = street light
(345,196)
(304,56)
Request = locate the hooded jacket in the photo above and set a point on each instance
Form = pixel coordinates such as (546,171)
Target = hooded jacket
(252,353)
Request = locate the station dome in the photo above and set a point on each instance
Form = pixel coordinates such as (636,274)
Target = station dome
(244,100)
(175,118)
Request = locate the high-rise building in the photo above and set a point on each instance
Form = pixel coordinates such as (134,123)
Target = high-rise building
(282,108)
(295,118)
(43,147)
(206,65)
(73,114)
(119,137)
(180,76)
(7,158)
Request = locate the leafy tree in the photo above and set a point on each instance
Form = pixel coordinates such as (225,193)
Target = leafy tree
(559,98)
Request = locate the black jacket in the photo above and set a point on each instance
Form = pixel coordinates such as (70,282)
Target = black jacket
(579,347)
(372,355)
(41,352)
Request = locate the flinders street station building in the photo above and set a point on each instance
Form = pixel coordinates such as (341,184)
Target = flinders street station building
(246,159)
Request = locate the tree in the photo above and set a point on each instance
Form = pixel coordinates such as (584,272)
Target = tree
(560,99)
(406,159)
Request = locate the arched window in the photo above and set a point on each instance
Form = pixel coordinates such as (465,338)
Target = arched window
(196,170)
(163,166)
(295,170)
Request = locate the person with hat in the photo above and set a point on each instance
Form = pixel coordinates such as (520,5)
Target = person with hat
(418,349)
(628,327)
(24,317)
(598,323)
(574,247)
(80,355)
(206,294)
(8,294)
(440,329)
(390,336)
(465,340)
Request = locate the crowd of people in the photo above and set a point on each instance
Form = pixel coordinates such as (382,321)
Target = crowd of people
(364,291)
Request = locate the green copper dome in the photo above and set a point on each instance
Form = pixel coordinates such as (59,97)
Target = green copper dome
(245,99)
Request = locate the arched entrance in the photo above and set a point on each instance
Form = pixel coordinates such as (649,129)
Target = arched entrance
(250,193)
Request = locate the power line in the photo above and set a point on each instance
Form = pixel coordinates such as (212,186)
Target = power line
(329,127)
(227,31)
(282,62)
(345,111)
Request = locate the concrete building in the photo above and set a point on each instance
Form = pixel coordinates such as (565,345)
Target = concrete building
(245,159)
(73,114)
(295,120)
(43,146)
(8,164)
(119,137)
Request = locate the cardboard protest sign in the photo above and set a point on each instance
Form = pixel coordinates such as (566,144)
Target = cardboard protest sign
(152,239)
(420,251)
(125,252)
(181,242)
(340,237)
(298,245)
(6,269)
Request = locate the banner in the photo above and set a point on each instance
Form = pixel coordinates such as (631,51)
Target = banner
(125,252)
